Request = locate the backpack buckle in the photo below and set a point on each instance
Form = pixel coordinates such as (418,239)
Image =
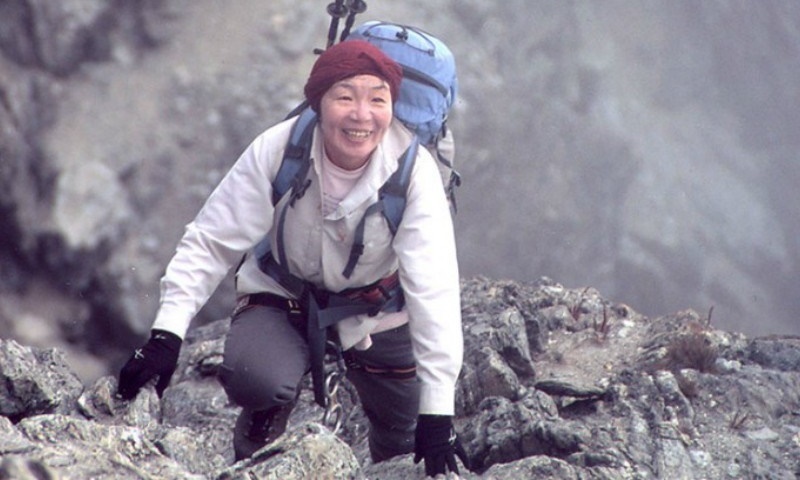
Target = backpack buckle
(298,190)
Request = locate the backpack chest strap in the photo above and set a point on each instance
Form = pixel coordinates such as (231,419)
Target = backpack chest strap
(391,203)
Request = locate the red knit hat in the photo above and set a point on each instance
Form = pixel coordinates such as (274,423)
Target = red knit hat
(348,59)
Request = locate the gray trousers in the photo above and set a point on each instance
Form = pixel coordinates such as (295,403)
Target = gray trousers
(266,357)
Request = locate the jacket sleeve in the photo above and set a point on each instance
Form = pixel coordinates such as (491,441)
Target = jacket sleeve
(236,215)
(425,246)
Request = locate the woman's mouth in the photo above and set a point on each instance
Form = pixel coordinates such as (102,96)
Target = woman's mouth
(357,134)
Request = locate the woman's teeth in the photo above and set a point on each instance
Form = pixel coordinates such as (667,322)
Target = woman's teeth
(357,133)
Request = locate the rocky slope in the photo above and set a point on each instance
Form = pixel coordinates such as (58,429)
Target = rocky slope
(557,383)
(655,146)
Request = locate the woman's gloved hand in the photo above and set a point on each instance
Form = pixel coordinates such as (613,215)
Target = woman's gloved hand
(158,357)
(436,442)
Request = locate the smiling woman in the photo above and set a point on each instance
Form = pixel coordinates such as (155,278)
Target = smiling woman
(385,292)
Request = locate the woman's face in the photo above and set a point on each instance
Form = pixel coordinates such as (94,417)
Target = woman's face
(354,115)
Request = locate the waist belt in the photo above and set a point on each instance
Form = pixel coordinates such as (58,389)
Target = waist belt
(375,293)
(324,309)
(267,300)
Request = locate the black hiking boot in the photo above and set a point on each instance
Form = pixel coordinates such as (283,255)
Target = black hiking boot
(255,429)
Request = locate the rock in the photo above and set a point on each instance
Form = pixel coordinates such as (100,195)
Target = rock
(763,435)
(596,408)
(533,467)
(59,36)
(96,213)
(35,381)
(485,374)
(308,451)
(26,176)
(504,333)
(12,440)
(499,356)
(79,448)
(567,388)
(778,353)
(506,431)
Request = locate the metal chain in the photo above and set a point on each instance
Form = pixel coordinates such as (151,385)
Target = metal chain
(333,416)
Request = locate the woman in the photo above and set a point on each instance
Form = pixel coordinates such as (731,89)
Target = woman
(416,350)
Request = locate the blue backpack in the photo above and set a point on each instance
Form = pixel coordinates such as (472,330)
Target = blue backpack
(428,89)
(427,92)
(429,84)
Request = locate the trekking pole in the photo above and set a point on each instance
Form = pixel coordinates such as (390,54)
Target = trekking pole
(355,7)
(336,10)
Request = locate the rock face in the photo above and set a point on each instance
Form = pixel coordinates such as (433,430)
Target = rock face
(654,148)
(557,383)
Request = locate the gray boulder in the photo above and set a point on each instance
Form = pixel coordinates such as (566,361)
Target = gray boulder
(35,381)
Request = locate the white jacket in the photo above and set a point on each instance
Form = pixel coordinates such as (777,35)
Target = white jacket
(239,212)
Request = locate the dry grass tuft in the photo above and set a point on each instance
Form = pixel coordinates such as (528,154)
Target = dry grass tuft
(692,350)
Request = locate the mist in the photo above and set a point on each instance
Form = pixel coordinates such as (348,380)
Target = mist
(644,149)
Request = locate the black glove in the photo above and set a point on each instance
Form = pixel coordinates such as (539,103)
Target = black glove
(159,356)
(436,442)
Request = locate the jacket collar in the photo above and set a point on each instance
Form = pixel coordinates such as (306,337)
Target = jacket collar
(382,165)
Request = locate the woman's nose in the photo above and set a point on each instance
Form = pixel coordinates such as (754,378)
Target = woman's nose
(361,110)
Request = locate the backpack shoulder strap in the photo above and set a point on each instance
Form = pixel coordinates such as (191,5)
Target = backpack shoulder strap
(291,174)
(393,192)
(391,202)
(294,165)
(453,182)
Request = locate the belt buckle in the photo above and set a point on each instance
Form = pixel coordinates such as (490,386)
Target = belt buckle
(376,295)
(293,306)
